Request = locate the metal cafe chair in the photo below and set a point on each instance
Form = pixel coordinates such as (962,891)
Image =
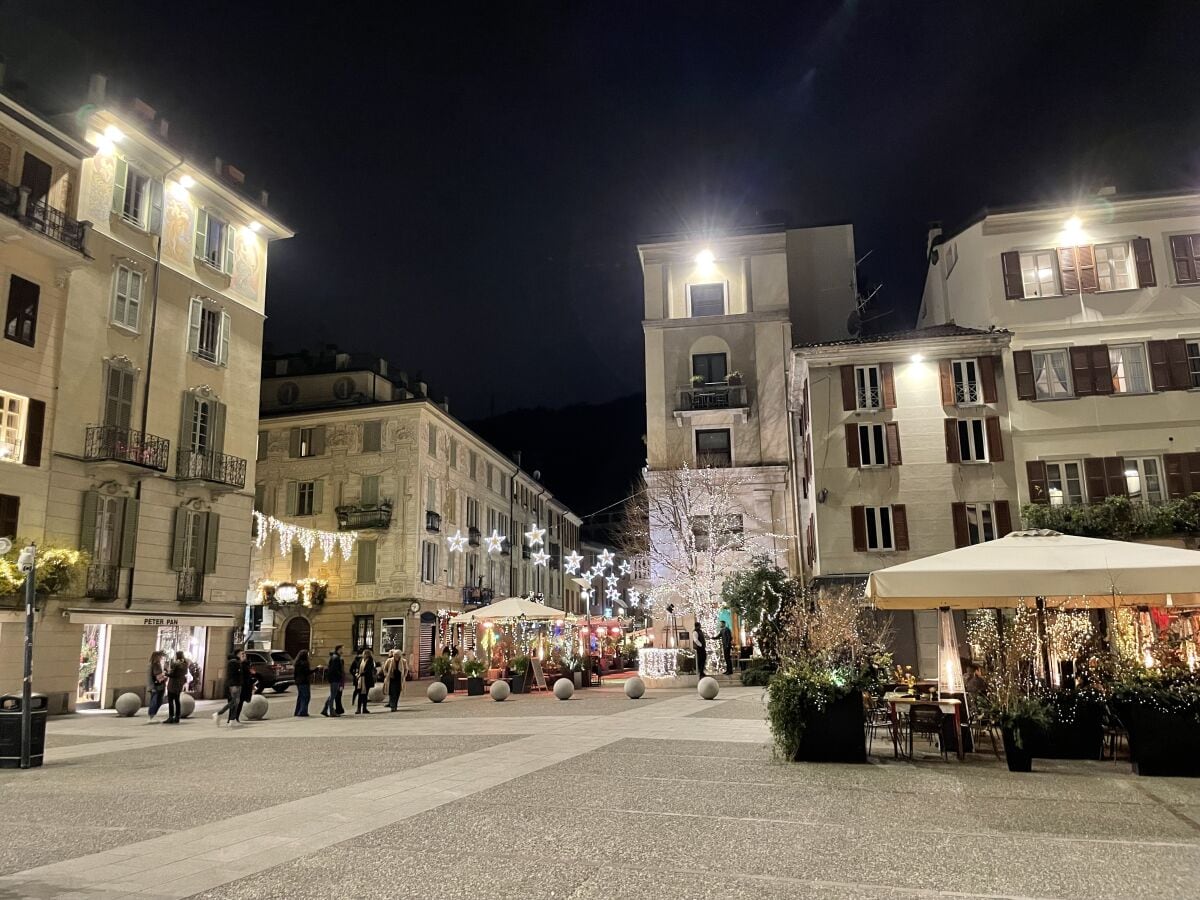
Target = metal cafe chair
(878,717)
(928,720)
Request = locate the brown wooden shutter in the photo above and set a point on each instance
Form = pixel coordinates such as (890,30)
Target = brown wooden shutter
(1023,370)
(958,514)
(946,376)
(987,376)
(1067,271)
(1182,255)
(953,453)
(1085,258)
(853,454)
(1160,368)
(1039,485)
(1093,473)
(995,440)
(893,444)
(858,528)
(1003,518)
(35,427)
(10,515)
(1102,381)
(1143,258)
(889,385)
(1177,362)
(848,392)
(1114,476)
(1177,479)
(1081,371)
(1010,268)
(899,526)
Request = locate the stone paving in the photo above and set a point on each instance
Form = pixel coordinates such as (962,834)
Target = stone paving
(598,797)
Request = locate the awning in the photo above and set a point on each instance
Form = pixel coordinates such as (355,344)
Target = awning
(508,608)
(154,619)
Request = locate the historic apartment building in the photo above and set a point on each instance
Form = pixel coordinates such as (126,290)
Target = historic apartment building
(134,282)
(445,521)
(1103,302)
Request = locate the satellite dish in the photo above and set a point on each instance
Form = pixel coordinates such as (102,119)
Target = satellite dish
(854,323)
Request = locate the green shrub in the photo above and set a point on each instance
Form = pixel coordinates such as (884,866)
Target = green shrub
(519,665)
(473,668)
(1118,518)
(757,676)
(441,666)
(1172,690)
(803,690)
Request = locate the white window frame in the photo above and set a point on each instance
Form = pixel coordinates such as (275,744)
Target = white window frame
(306,491)
(1121,381)
(305,442)
(696,445)
(1105,267)
(985,518)
(209,329)
(106,547)
(1040,361)
(127,306)
(1064,498)
(140,217)
(1030,264)
(193,549)
(14,409)
(867,398)
(429,562)
(724,285)
(968,389)
(223,243)
(1193,355)
(975,448)
(875,519)
(1136,474)
(872,452)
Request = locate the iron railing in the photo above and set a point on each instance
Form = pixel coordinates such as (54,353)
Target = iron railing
(433,522)
(712,396)
(103,581)
(190,588)
(477,596)
(966,393)
(40,216)
(714,459)
(209,466)
(364,515)
(869,398)
(112,442)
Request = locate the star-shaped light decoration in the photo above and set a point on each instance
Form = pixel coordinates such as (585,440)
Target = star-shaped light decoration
(572,562)
(610,580)
(613,595)
(534,535)
(540,557)
(624,567)
(457,541)
(495,541)
(605,559)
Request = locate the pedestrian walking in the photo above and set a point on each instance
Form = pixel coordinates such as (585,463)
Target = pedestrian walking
(393,678)
(354,667)
(176,678)
(365,680)
(727,647)
(156,683)
(233,689)
(701,645)
(249,685)
(335,674)
(302,672)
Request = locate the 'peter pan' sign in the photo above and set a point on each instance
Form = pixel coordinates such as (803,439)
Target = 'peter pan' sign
(149,620)
(160,621)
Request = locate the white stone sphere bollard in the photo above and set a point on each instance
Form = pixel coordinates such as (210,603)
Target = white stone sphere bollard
(187,705)
(375,694)
(708,688)
(635,688)
(563,689)
(436,692)
(500,690)
(256,707)
(128,705)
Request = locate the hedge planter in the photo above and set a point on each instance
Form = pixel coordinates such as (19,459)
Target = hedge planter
(448,681)
(1019,759)
(836,733)
(1080,739)
(1161,743)
(475,687)
(518,683)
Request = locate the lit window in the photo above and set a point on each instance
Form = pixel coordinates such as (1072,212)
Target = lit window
(1130,374)
(1143,479)
(972,440)
(208,332)
(1039,274)
(1114,267)
(307,446)
(879,528)
(12,425)
(872,446)
(867,387)
(981,522)
(966,382)
(1051,374)
(1064,483)
(135,206)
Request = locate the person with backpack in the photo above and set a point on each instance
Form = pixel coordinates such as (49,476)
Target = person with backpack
(335,674)
(365,680)
(176,679)
(302,673)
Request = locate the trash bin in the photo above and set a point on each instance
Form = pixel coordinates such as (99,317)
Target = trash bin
(10,730)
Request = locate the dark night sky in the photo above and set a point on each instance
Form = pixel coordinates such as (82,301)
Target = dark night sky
(468,181)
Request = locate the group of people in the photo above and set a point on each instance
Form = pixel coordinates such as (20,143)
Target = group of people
(365,673)
(166,678)
(700,644)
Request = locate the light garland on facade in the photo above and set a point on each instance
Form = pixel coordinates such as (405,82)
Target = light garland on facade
(657,663)
(289,534)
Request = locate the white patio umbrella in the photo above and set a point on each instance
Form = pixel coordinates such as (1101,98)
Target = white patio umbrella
(508,608)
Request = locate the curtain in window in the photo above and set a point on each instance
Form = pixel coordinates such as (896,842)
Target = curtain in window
(1051,374)
(1129,370)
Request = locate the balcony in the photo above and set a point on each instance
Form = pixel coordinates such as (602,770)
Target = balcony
(714,459)
(41,217)
(190,587)
(705,397)
(103,581)
(967,393)
(477,596)
(214,468)
(473,537)
(111,443)
(359,517)
(433,522)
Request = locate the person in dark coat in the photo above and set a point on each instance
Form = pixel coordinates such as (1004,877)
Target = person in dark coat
(354,667)
(727,647)
(701,645)
(365,680)
(249,680)
(233,689)
(176,679)
(302,672)
(335,674)
(156,683)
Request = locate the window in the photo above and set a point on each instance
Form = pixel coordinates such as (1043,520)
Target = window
(1051,374)
(369,491)
(133,192)
(432,440)
(867,387)
(972,440)
(214,241)
(473,464)
(372,437)
(12,426)
(1039,274)
(299,564)
(363,634)
(1064,483)
(712,367)
(879,528)
(713,449)
(127,297)
(20,323)
(1143,479)
(306,493)
(706,299)
(307,446)
(10,512)
(429,558)
(1130,373)
(431,494)
(981,522)
(453,453)
(118,396)
(366,562)
(1114,267)
(261,453)
(472,512)
(1185,254)
(288,393)
(872,446)
(195,525)
(391,635)
(726,532)
(206,424)
(208,332)
(966,382)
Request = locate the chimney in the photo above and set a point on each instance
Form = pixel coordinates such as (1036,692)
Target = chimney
(163,127)
(234,174)
(143,109)
(97,88)
(1109,190)
(933,237)
(264,199)
(217,164)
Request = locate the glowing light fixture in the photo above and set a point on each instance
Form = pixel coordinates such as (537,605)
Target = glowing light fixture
(114,134)
(705,258)
(918,357)
(1073,224)
(256,226)
(187,181)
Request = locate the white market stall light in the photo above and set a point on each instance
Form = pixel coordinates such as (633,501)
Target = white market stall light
(655,662)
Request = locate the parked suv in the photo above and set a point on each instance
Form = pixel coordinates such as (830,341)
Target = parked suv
(273,669)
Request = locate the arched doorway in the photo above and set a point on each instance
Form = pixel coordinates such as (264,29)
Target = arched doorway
(296,635)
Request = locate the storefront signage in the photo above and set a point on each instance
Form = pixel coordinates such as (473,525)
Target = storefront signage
(151,620)
(160,621)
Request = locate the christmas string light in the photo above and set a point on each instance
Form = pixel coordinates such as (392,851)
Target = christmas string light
(289,534)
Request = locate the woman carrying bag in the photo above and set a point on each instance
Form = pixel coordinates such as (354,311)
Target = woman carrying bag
(365,681)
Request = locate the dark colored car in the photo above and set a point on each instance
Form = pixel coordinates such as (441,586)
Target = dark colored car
(272,669)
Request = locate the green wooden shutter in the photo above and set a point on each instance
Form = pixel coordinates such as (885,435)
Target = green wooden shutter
(212,533)
(223,343)
(122,175)
(156,190)
(201,233)
(187,415)
(194,314)
(291,498)
(129,526)
(179,539)
(294,443)
(318,441)
(87,522)
(230,247)
(216,427)
(318,495)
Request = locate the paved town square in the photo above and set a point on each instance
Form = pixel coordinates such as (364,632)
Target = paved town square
(596,797)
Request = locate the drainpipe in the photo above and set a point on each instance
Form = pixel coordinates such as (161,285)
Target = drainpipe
(792,460)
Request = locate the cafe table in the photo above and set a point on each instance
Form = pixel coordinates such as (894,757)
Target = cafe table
(949,706)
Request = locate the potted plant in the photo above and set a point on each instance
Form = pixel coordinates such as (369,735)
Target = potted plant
(520,671)
(757,673)
(685,662)
(1160,708)
(697,381)
(474,669)
(1075,729)
(442,669)
(1023,720)
(733,378)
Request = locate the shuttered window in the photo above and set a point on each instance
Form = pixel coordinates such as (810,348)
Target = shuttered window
(872,446)
(118,396)
(1039,274)
(429,558)
(706,299)
(1051,374)
(967,389)
(1130,372)
(868,387)
(1193,362)
(10,514)
(972,441)
(208,332)
(1114,267)
(214,244)
(365,573)
(1064,483)
(127,297)
(20,322)
(1185,255)
(369,493)
(1143,479)
(372,436)
(12,426)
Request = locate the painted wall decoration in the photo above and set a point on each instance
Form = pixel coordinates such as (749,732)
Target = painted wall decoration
(247,265)
(178,227)
(98,203)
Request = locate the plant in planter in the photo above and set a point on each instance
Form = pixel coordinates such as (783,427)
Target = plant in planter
(757,673)
(443,670)
(697,381)
(733,378)
(1160,708)
(474,669)
(685,662)
(1023,720)
(520,671)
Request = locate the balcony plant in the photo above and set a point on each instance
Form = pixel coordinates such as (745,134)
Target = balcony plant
(1159,706)
(520,671)
(697,381)
(443,669)
(733,378)
(474,668)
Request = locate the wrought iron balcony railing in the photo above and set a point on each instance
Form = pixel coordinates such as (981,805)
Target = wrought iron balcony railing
(212,467)
(714,459)
(433,522)
(477,596)
(967,393)
(357,517)
(190,587)
(40,216)
(712,396)
(114,443)
(103,581)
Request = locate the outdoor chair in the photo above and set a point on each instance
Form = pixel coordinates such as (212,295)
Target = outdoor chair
(927,720)
(878,716)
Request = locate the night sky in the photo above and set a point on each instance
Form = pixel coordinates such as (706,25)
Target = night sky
(468,181)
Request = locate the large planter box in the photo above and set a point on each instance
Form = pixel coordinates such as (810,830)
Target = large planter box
(1019,759)
(448,681)
(1160,743)
(519,683)
(837,734)
(475,687)
(1081,739)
